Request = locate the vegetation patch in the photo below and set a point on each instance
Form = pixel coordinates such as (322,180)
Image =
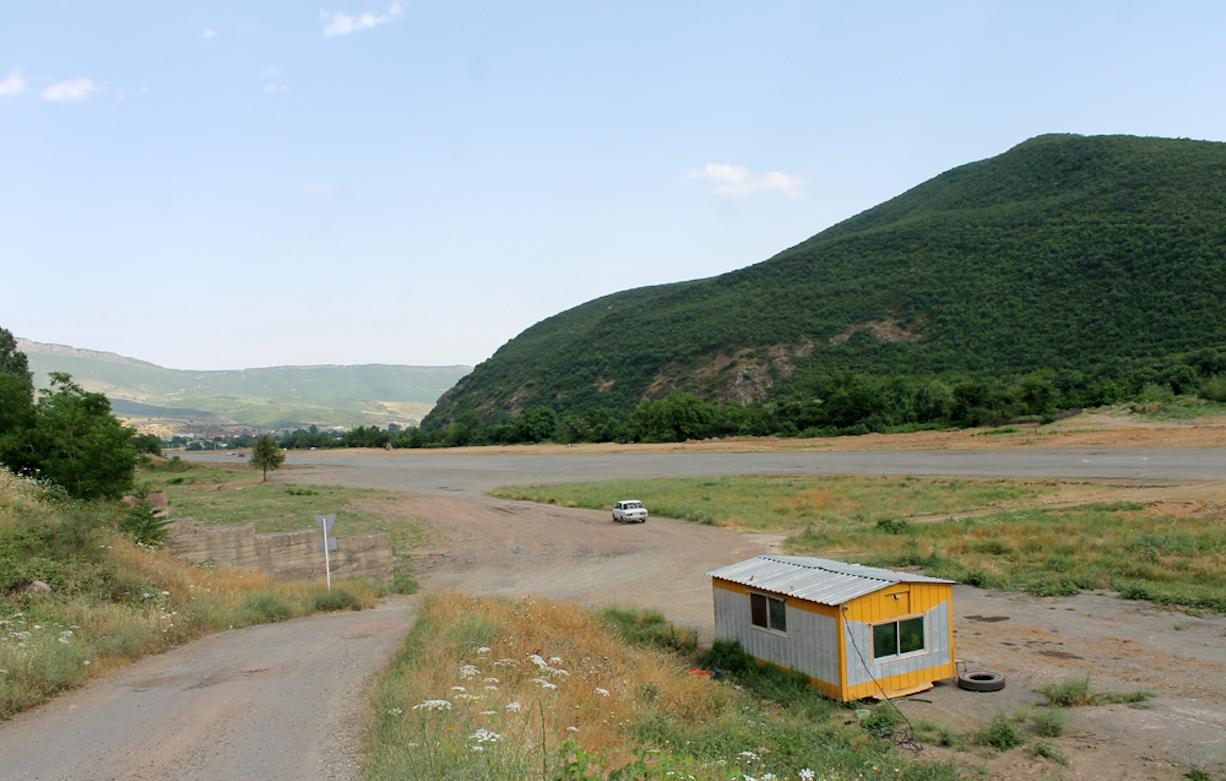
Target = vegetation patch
(220,495)
(786,503)
(1076,691)
(529,689)
(78,597)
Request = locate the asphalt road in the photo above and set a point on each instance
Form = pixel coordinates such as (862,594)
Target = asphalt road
(443,474)
(279,701)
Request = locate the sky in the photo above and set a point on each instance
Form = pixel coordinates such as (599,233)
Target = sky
(237,184)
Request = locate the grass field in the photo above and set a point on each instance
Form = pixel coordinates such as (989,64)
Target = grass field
(111,601)
(232,494)
(1140,551)
(530,689)
(786,503)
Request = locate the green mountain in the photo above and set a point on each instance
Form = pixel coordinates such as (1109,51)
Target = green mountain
(1064,252)
(274,397)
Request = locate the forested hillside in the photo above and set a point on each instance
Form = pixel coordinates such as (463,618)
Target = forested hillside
(1086,256)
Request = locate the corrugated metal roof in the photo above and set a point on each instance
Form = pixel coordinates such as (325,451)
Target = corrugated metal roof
(824,581)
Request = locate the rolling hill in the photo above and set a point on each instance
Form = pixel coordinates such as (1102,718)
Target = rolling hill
(1064,252)
(273,397)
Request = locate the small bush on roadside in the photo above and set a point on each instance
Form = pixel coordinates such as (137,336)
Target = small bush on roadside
(336,599)
(650,628)
(1002,733)
(142,524)
(403,582)
(266,607)
(1076,691)
(893,526)
(1049,751)
(1048,722)
(1214,388)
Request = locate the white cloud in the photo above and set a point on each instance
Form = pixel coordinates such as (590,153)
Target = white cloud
(316,188)
(15,84)
(739,180)
(71,90)
(340,23)
(271,78)
(208,34)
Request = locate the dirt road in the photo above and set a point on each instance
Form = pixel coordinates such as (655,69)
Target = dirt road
(280,701)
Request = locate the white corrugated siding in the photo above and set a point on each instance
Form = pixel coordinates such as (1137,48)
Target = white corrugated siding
(810,646)
(936,624)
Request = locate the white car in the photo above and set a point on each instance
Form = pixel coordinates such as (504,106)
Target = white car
(629,511)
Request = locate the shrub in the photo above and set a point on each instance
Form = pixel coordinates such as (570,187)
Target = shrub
(141,524)
(265,607)
(1047,750)
(1001,733)
(650,628)
(403,582)
(893,526)
(1048,722)
(336,599)
(1076,691)
(1214,388)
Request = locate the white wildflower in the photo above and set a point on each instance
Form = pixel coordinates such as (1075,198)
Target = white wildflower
(458,689)
(514,706)
(489,713)
(395,711)
(544,684)
(491,679)
(572,728)
(505,663)
(467,697)
(556,660)
(748,756)
(469,671)
(433,705)
(538,660)
(483,735)
(485,649)
(807,775)
(602,691)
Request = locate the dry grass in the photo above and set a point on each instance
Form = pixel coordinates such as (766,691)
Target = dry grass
(557,692)
(111,601)
(786,503)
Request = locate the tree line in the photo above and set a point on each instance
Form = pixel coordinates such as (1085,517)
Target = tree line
(837,404)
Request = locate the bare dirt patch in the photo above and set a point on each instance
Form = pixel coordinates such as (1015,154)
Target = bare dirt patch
(489,546)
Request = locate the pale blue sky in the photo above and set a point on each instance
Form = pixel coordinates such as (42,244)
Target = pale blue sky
(239,184)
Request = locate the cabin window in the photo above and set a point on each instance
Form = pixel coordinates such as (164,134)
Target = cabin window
(895,638)
(768,612)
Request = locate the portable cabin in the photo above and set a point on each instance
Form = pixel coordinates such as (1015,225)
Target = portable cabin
(855,631)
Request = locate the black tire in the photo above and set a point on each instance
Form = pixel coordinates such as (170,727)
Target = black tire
(981,681)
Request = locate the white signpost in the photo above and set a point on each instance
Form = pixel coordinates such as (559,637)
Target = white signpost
(324,522)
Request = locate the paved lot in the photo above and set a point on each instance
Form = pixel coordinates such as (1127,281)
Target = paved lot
(438,473)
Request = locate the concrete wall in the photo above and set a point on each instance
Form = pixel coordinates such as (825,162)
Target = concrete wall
(283,555)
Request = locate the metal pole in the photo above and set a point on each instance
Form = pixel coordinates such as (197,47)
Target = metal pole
(327,559)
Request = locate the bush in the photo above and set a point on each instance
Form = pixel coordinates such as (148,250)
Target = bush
(1048,722)
(403,582)
(336,599)
(650,628)
(1002,733)
(141,524)
(893,526)
(1076,691)
(1047,750)
(266,607)
(1214,388)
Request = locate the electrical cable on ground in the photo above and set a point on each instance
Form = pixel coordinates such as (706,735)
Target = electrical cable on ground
(904,738)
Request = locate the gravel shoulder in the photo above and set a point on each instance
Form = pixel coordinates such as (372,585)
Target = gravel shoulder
(278,701)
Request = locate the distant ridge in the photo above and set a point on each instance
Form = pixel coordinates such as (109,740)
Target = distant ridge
(1065,252)
(266,397)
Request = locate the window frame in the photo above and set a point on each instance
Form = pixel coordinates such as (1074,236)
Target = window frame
(769,598)
(897,621)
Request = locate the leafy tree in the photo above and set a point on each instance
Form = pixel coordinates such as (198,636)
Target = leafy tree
(12,360)
(78,444)
(267,455)
(147,443)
